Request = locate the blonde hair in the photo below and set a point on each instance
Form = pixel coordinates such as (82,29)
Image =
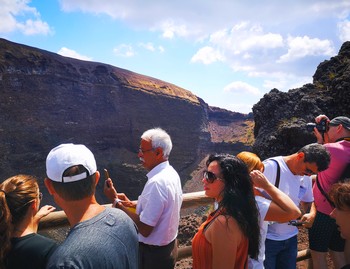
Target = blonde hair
(16,195)
(252,160)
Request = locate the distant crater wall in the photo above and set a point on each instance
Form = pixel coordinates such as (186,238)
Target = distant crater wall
(47,99)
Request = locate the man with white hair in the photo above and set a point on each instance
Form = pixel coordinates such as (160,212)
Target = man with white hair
(158,208)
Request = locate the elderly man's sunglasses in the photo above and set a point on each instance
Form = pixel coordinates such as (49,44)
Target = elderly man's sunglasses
(210,177)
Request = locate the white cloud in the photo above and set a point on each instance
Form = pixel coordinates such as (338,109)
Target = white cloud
(300,47)
(207,55)
(73,54)
(124,50)
(285,82)
(242,108)
(344,30)
(161,49)
(242,87)
(197,18)
(250,39)
(151,47)
(245,47)
(170,29)
(19,16)
(148,46)
(244,37)
(31,27)
(280,80)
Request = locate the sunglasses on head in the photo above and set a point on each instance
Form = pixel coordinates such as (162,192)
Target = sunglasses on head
(210,177)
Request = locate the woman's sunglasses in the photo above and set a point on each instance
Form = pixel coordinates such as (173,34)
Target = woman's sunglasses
(210,177)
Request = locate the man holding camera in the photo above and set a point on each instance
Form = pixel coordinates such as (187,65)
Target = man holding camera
(324,234)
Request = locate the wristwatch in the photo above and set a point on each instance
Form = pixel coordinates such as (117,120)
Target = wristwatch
(116,200)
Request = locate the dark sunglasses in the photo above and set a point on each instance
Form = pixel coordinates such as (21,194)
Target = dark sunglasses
(210,177)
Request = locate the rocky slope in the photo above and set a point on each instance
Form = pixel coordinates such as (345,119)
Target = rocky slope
(280,117)
(47,99)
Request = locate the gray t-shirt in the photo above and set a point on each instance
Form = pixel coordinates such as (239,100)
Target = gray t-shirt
(108,240)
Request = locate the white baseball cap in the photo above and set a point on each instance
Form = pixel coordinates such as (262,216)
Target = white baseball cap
(65,156)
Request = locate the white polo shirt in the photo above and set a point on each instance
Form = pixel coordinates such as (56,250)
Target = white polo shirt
(159,204)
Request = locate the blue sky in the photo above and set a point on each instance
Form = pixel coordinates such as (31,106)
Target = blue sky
(227,52)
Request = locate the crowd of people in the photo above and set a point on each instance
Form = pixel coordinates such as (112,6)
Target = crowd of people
(258,206)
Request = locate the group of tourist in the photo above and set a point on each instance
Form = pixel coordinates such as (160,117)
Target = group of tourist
(258,205)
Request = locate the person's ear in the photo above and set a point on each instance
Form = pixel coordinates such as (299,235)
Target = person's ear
(159,153)
(301,155)
(49,187)
(339,128)
(97,177)
(35,205)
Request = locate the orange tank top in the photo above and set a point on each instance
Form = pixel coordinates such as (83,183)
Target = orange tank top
(202,249)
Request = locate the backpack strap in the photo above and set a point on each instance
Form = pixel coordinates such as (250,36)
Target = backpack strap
(323,192)
(277,182)
(345,177)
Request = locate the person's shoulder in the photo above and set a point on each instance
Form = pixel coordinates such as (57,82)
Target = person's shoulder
(262,201)
(332,145)
(116,213)
(35,240)
(225,224)
(164,177)
(338,147)
(337,144)
(45,241)
(224,219)
(270,165)
(167,169)
(272,160)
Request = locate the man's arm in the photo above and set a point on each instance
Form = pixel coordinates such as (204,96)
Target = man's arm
(282,208)
(308,217)
(111,193)
(143,228)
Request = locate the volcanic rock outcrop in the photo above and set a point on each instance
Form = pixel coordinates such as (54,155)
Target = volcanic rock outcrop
(280,117)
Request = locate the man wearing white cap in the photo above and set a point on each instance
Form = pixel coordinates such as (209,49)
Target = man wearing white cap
(324,234)
(99,237)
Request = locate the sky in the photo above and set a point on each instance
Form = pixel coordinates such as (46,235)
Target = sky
(227,52)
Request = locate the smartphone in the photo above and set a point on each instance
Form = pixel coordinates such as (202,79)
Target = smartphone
(106,173)
(296,222)
(107,176)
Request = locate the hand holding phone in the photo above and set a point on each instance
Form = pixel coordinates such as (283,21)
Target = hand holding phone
(296,222)
(109,189)
(106,173)
(107,177)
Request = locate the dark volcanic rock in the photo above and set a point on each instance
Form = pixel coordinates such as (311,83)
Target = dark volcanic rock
(47,99)
(280,117)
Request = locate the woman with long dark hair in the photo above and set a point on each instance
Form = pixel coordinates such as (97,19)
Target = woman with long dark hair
(231,232)
(21,246)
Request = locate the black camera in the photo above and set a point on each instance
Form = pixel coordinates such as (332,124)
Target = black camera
(322,126)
